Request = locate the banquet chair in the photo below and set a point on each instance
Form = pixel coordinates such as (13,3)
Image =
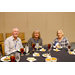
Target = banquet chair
(21,36)
(2,43)
(8,35)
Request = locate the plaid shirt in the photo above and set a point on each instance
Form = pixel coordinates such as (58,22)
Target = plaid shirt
(63,43)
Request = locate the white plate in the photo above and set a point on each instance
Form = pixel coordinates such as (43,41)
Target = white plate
(56,51)
(55,47)
(36,55)
(42,50)
(44,54)
(39,47)
(73,53)
(2,59)
(30,60)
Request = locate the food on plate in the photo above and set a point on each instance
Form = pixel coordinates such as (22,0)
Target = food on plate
(58,46)
(42,49)
(45,55)
(7,58)
(56,49)
(71,52)
(37,54)
(31,58)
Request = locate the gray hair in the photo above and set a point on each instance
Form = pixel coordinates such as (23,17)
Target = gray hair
(15,28)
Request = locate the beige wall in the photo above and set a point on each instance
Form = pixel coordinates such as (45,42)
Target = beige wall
(47,22)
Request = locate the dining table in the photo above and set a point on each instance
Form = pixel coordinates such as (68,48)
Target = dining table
(62,55)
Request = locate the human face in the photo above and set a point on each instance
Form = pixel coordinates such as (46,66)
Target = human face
(15,32)
(36,34)
(59,34)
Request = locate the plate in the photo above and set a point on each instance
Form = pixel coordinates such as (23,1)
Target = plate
(36,54)
(31,59)
(56,50)
(45,55)
(72,52)
(57,47)
(43,50)
(39,47)
(2,59)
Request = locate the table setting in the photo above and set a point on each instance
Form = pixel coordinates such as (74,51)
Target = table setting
(41,54)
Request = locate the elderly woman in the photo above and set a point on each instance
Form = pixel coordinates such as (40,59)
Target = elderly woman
(62,41)
(35,38)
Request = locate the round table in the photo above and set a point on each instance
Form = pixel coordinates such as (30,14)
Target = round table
(62,56)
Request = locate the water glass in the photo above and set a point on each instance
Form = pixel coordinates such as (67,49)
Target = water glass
(17,56)
(37,46)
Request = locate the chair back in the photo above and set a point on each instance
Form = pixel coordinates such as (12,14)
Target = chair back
(1,37)
(8,35)
(21,36)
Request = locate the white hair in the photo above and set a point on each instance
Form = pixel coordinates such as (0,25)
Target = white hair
(36,30)
(15,28)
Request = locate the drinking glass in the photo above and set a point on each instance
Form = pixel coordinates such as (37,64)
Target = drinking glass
(27,50)
(22,51)
(0,56)
(17,56)
(33,46)
(49,46)
(69,47)
(12,57)
(37,46)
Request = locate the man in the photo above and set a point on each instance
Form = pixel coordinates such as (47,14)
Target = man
(62,41)
(13,43)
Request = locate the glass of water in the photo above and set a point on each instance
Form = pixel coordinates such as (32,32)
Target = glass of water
(27,50)
(17,56)
(37,46)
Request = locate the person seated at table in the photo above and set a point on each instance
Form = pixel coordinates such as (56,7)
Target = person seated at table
(13,42)
(60,40)
(35,38)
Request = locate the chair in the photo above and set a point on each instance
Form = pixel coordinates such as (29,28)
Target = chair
(2,43)
(8,35)
(21,36)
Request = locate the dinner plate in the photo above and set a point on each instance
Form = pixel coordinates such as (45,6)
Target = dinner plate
(45,55)
(36,54)
(2,59)
(31,59)
(43,50)
(72,52)
(56,50)
(55,47)
(39,47)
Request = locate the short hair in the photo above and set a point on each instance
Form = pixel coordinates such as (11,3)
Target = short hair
(60,31)
(34,32)
(15,28)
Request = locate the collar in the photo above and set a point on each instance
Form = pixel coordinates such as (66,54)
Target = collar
(14,39)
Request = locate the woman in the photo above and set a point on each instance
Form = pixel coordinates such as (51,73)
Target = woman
(35,38)
(62,41)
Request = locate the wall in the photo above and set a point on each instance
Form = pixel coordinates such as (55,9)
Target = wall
(47,22)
